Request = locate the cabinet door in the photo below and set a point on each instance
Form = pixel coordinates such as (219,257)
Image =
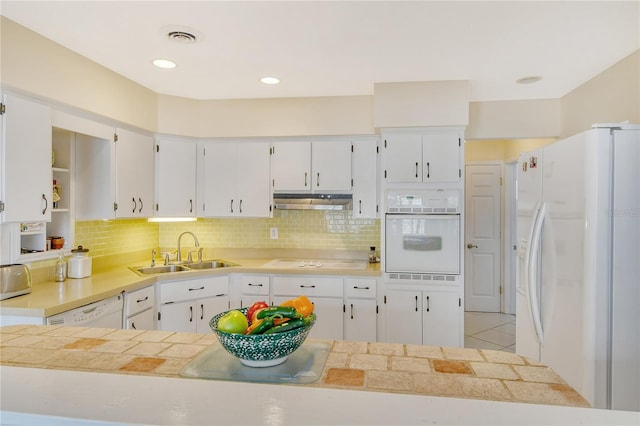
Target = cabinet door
(442,319)
(331,166)
(178,317)
(360,319)
(403,317)
(441,157)
(291,166)
(205,309)
(26,161)
(142,321)
(176,178)
(134,174)
(219,179)
(365,183)
(403,157)
(253,190)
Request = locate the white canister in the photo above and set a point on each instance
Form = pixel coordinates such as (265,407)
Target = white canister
(79,265)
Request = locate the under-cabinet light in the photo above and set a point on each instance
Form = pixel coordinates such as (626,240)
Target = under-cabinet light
(172,219)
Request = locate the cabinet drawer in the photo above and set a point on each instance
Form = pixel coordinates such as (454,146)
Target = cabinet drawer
(254,284)
(309,286)
(176,291)
(139,300)
(365,288)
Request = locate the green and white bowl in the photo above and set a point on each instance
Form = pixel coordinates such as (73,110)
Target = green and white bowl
(260,350)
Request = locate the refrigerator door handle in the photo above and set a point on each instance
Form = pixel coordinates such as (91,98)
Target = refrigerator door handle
(532,272)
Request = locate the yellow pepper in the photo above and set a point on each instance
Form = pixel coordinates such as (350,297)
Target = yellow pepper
(303,305)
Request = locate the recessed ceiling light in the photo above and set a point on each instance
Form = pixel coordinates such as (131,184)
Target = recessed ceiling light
(529,80)
(164,63)
(270,80)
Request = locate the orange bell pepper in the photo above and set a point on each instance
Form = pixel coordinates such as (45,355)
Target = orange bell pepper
(302,304)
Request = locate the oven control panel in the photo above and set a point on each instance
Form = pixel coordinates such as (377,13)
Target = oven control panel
(423,201)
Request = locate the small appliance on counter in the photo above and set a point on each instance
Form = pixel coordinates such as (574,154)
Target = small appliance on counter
(15,280)
(79,263)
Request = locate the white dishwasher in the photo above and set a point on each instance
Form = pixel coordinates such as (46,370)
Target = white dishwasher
(106,313)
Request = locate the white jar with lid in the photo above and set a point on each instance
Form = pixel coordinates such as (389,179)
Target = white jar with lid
(79,265)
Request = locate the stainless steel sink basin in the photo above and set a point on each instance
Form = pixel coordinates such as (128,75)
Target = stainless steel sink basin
(160,269)
(210,264)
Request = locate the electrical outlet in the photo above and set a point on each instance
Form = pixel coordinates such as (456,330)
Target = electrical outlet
(274,233)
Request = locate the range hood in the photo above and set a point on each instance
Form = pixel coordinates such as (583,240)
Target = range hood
(313,201)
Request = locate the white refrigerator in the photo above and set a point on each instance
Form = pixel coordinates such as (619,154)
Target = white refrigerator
(578,270)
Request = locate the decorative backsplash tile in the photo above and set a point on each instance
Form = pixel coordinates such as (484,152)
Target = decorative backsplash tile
(296,229)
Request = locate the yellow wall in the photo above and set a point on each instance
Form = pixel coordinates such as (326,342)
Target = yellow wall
(505,150)
(112,237)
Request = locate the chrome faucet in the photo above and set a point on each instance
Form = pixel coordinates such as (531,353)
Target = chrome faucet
(179,258)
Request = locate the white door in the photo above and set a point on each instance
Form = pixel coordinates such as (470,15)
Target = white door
(403,317)
(253,190)
(331,166)
(176,178)
(134,174)
(27,160)
(483,248)
(442,319)
(402,157)
(219,160)
(291,166)
(441,157)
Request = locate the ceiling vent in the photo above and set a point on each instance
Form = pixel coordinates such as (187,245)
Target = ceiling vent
(182,37)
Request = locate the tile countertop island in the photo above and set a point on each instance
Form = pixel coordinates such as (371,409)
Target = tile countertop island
(132,376)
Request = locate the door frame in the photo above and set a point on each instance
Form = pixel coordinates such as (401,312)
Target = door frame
(500,164)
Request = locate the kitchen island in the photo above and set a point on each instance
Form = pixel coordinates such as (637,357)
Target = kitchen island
(133,376)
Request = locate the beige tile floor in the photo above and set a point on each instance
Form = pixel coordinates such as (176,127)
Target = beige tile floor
(483,330)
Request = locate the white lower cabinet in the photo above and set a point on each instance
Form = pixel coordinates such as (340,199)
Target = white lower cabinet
(254,288)
(360,310)
(326,293)
(139,309)
(424,317)
(189,305)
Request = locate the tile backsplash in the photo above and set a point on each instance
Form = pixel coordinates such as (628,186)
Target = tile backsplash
(297,229)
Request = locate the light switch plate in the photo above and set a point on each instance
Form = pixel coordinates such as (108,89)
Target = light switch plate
(274,233)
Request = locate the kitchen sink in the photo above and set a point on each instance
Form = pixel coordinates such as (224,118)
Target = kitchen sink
(210,264)
(160,269)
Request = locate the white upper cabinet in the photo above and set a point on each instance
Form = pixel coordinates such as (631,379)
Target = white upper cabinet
(175,177)
(134,174)
(291,166)
(235,179)
(318,166)
(27,190)
(364,167)
(433,156)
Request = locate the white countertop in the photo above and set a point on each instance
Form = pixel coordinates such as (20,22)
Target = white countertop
(127,399)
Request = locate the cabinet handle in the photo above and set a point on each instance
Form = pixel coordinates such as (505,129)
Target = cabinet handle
(305,179)
(190,313)
(307,286)
(232,205)
(196,289)
(318,179)
(360,206)
(190,206)
(416,303)
(428,171)
(135,206)
(46,204)
(416,169)
(428,304)
(133,325)
(240,206)
(141,205)
(254,285)
(201,312)
(142,300)
(352,311)
(360,288)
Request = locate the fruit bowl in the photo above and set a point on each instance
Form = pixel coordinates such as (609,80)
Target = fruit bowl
(260,350)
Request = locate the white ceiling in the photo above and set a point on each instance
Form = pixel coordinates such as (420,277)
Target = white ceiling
(340,48)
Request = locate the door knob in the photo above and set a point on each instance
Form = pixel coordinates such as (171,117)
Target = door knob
(470,246)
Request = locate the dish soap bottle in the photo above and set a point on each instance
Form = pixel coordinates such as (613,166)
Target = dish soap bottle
(61,269)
